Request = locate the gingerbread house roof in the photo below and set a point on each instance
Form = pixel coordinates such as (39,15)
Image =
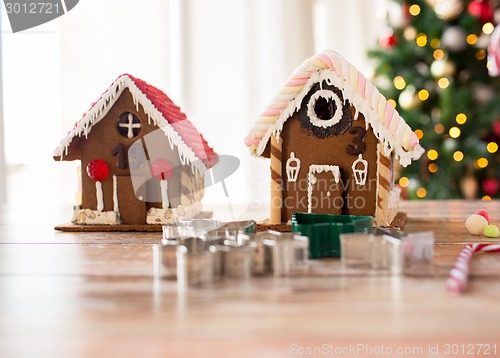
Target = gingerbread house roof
(388,126)
(192,147)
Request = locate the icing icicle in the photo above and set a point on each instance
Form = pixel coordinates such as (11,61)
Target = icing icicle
(329,66)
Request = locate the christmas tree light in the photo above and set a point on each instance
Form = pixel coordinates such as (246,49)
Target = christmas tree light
(436,73)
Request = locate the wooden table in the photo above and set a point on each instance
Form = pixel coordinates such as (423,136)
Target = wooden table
(94,295)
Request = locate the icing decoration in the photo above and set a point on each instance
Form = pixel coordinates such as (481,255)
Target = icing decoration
(358,141)
(98,170)
(162,169)
(276,179)
(313,169)
(115,195)
(100,200)
(161,111)
(129,125)
(360,173)
(363,95)
(292,171)
(164,194)
(323,112)
(119,152)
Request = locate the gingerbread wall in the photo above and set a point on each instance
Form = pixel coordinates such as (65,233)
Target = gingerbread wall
(102,141)
(311,150)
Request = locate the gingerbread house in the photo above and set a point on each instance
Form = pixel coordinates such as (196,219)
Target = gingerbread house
(332,139)
(142,160)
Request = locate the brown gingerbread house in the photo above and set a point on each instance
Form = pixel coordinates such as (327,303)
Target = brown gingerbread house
(332,139)
(142,160)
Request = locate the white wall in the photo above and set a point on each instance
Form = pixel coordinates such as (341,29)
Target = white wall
(222,61)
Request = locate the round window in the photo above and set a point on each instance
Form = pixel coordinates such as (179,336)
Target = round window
(128,125)
(323,111)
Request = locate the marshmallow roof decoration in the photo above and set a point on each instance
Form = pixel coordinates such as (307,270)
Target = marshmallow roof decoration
(388,126)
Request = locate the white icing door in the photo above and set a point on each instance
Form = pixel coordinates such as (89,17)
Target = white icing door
(324,189)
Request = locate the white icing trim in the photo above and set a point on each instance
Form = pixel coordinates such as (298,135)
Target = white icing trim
(313,118)
(164,193)
(292,172)
(99,196)
(360,174)
(104,104)
(115,195)
(368,108)
(311,178)
(94,217)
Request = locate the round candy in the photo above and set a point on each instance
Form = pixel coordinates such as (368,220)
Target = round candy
(492,231)
(161,169)
(98,170)
(475,224)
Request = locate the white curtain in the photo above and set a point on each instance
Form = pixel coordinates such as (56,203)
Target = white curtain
(220,60)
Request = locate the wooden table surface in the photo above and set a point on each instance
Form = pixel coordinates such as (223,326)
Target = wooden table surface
(94,295)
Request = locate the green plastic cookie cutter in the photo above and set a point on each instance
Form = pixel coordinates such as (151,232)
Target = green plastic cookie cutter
(324,231)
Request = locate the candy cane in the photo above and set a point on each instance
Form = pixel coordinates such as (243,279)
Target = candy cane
(459,274)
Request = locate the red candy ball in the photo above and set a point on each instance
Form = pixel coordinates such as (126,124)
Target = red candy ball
(161,169)
(98,170)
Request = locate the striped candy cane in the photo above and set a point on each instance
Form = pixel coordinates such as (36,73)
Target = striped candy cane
(459,274)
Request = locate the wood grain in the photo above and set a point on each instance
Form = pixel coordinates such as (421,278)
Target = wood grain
(65,294)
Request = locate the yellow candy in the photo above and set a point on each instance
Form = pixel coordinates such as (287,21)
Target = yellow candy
(476,224)
(492,231)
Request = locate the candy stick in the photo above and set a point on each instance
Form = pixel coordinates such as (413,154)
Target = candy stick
(459,274)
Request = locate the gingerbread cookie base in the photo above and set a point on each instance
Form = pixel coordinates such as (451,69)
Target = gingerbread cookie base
(398,224)
(70,227)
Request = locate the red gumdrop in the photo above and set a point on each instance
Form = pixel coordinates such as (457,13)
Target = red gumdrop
(98,170)
(161,169)
(484,214)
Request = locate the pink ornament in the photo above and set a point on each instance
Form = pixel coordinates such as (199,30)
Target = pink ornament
(482,10)
(490,186)
(98,170)
(161,169)
(494,53)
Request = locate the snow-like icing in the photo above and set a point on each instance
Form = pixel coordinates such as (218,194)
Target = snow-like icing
(104,104)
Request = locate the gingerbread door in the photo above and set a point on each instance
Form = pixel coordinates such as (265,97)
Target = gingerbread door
(324,189)
(132,210)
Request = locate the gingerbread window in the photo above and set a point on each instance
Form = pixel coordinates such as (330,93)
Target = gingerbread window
(128,125)
(323,111)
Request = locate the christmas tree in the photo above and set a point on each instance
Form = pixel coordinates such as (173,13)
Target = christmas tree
(433,63)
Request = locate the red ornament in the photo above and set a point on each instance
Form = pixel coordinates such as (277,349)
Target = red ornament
(482,10)
(490,186)
(496,127)
(98,170)
(388,41)
(403,193)
(161,169)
